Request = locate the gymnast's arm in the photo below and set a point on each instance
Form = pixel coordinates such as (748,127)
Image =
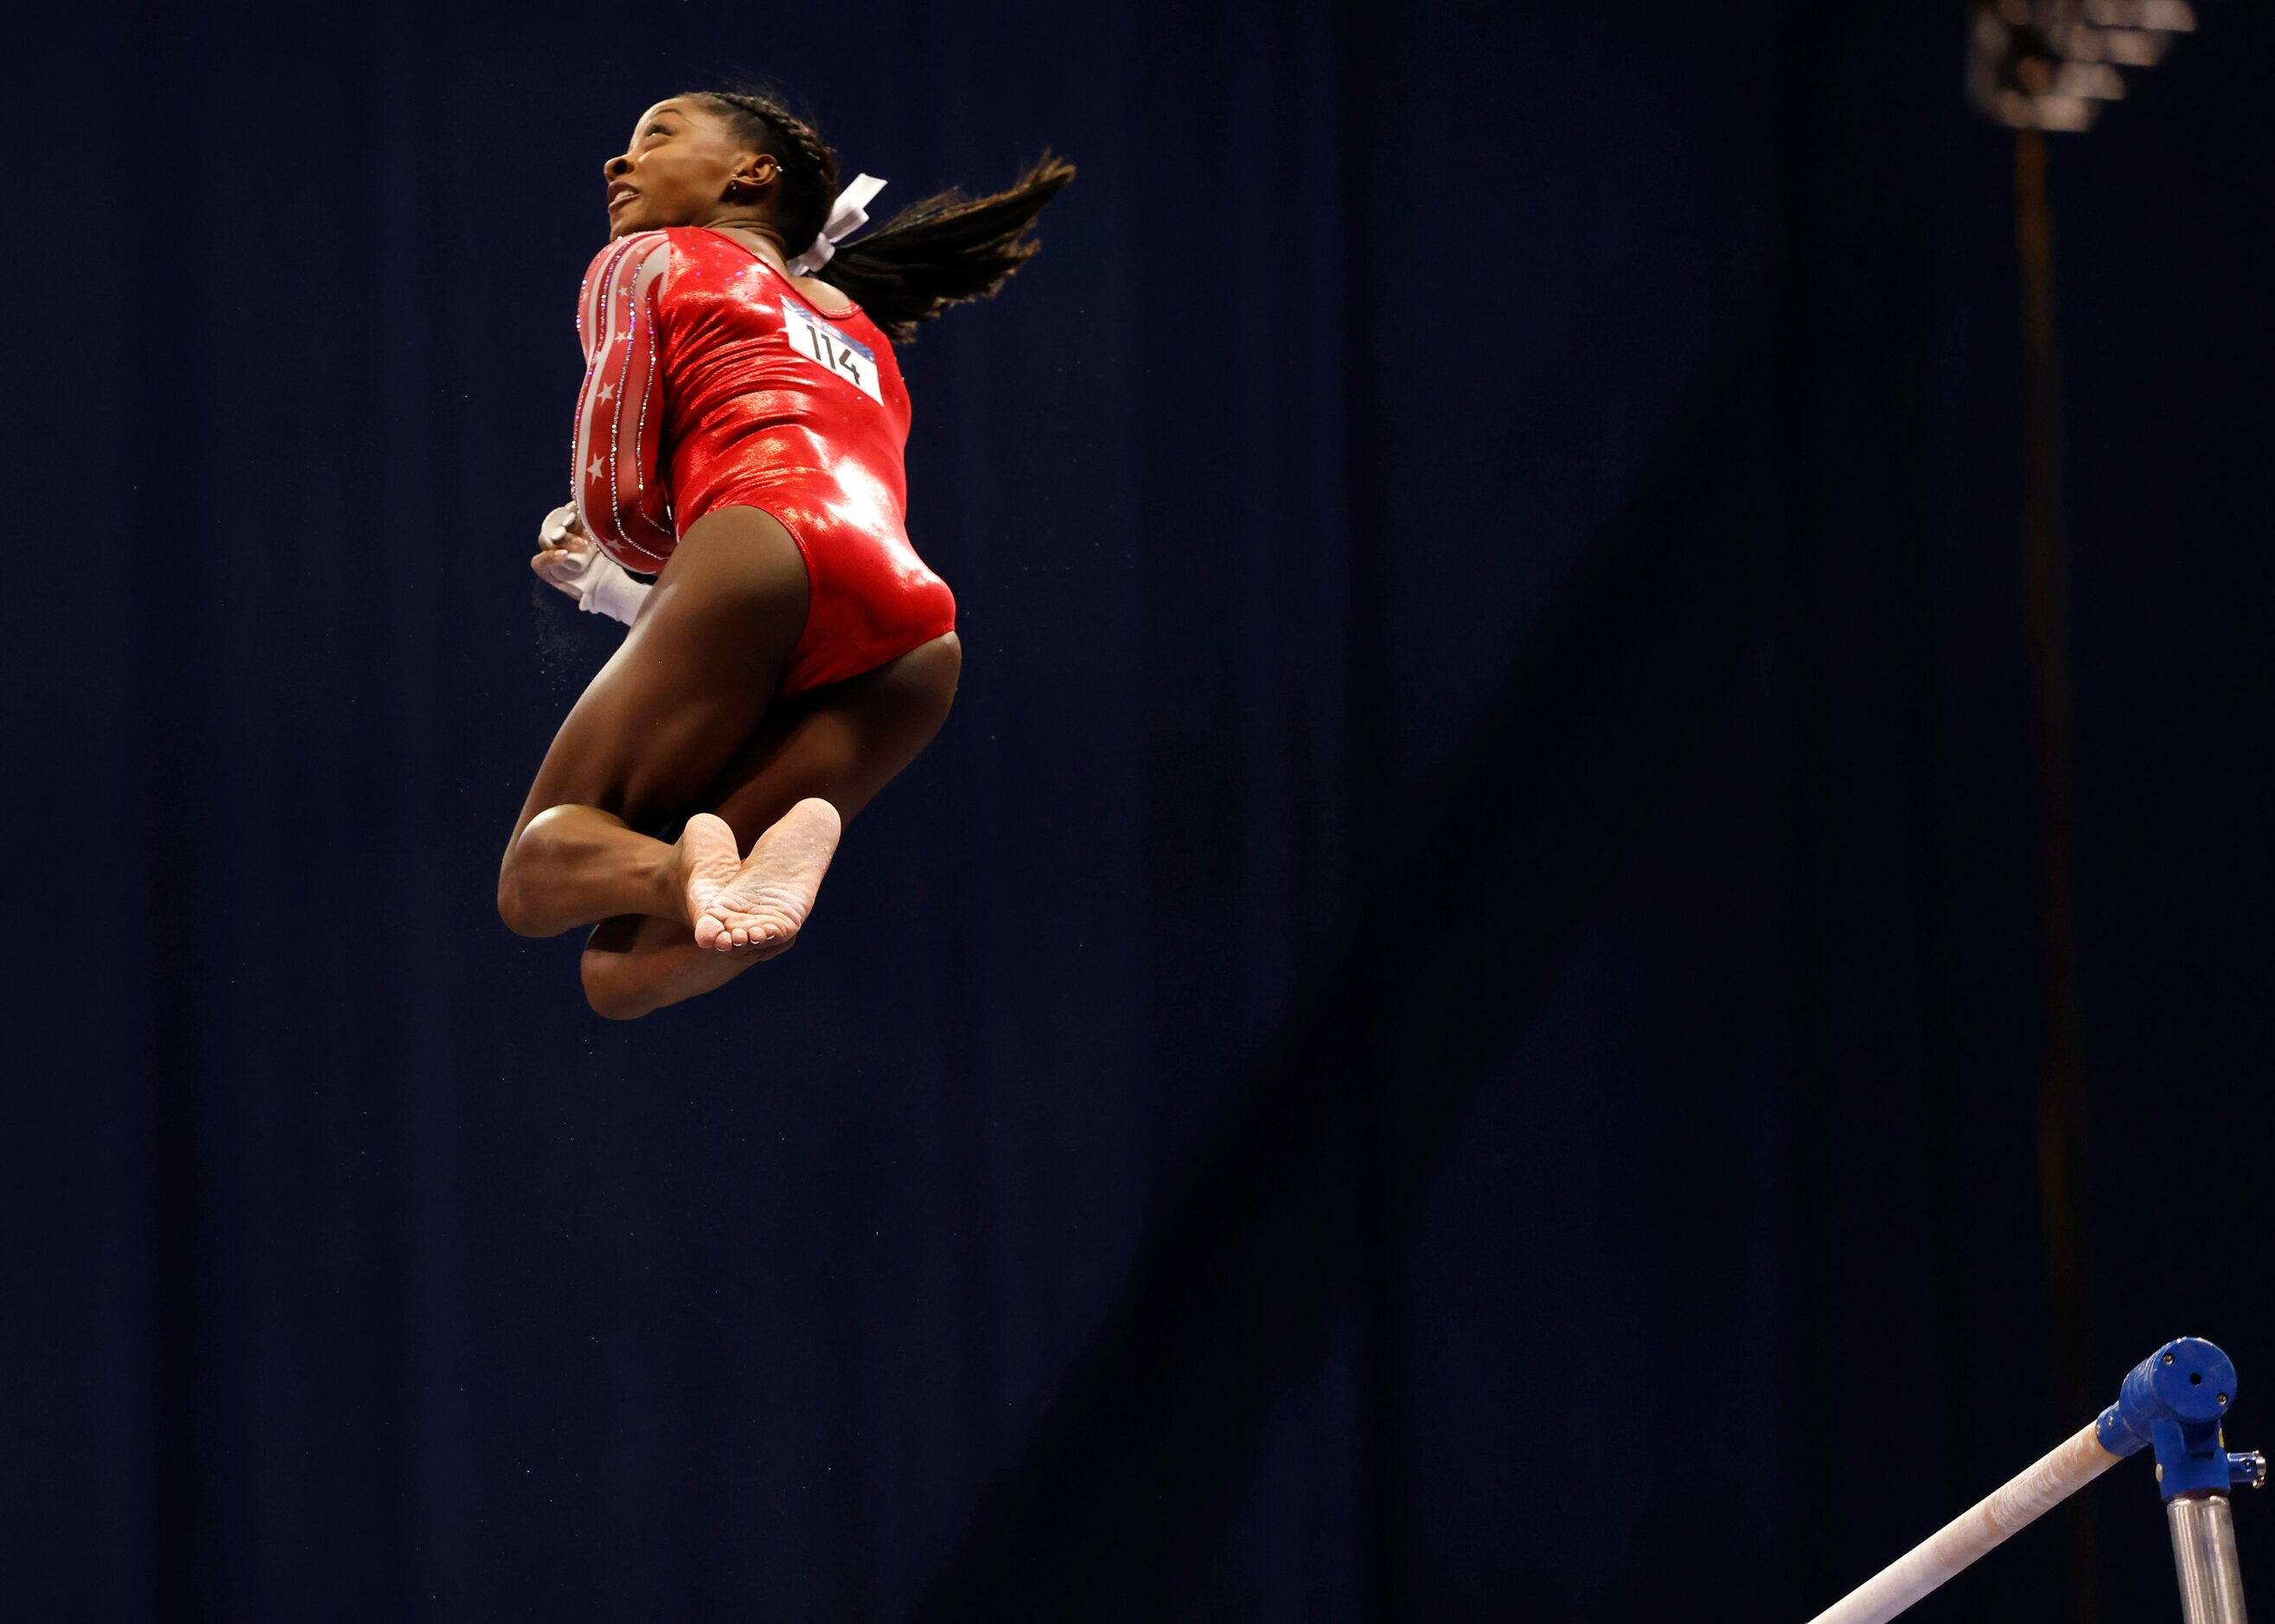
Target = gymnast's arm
(615,492)
(623,321)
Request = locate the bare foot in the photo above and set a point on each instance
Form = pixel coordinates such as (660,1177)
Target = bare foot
(759,911)
(708,860)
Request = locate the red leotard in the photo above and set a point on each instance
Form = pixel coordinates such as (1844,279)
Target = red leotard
(702,359)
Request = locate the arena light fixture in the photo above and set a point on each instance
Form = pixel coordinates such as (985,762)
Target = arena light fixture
(2054,65)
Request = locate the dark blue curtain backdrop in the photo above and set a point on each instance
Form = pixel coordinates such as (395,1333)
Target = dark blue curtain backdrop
(1454,1028)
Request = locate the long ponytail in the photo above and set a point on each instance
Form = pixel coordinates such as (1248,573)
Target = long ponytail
(942,250)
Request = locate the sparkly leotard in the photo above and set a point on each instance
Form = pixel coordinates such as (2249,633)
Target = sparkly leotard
(711,382)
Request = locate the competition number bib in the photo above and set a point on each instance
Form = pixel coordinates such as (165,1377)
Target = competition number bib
(818,340)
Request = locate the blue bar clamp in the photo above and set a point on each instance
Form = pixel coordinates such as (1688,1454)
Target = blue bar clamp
(2174,1399)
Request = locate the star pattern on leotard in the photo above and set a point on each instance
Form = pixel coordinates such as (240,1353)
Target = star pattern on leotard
(594,471)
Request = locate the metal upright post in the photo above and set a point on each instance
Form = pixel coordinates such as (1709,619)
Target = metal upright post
(2204,1550)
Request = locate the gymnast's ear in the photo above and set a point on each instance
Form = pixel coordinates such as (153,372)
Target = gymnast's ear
(755,175)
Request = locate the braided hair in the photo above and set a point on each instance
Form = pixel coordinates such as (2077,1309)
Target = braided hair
(940,251)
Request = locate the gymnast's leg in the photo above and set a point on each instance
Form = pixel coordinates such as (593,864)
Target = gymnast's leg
(677,703)
(839,745)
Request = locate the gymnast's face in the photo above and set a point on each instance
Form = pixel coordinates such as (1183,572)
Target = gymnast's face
(684,167)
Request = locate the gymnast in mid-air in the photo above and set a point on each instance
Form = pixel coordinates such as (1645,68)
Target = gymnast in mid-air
(738,436)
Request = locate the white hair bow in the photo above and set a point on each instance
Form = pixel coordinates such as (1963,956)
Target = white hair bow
(847,215)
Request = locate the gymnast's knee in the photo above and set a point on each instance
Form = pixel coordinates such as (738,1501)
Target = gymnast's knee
(513,906)
(608,992)
(513,909)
